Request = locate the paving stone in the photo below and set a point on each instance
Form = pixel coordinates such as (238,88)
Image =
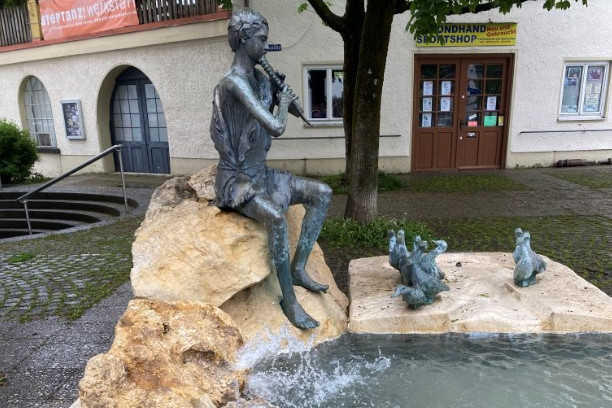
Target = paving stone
(101,333)
(62,356)
(28,387)
(40,329)
(17,350)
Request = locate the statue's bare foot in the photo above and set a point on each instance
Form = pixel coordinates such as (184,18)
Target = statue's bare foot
(297,316)
(301,278)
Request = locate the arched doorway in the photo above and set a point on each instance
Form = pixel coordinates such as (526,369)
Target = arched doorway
(138,123)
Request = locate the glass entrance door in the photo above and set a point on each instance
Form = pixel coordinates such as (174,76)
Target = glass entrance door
(138,122)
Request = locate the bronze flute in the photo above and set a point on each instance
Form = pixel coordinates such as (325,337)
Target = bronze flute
(263,61)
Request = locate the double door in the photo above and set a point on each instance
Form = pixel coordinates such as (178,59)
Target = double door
(138,122)
(460,112)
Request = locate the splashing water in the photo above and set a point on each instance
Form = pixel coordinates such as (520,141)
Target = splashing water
(438,372)
(293,374)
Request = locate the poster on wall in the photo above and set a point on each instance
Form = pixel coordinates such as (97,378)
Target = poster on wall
(67,18)
(73,119)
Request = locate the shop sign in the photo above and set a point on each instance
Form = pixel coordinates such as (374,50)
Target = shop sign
(66,18)
(470,35)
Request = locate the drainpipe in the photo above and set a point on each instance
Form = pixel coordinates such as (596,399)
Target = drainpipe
(34,14)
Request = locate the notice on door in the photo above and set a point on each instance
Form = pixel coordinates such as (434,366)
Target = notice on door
(66,18)
(470,35)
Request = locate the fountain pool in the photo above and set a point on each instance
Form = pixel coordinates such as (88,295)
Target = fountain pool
(456,370)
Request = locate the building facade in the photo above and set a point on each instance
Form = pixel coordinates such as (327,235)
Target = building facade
(528,88)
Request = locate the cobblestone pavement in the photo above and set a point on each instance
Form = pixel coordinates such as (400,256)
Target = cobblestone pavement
(43,356)
(43,359)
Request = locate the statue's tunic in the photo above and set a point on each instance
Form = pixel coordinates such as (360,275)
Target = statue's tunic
(243,145)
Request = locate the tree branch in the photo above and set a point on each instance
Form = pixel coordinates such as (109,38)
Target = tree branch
(333,21)
(402,6)
(488,6)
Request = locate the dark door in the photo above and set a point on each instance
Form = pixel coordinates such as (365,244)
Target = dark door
(461,109)
(139,124)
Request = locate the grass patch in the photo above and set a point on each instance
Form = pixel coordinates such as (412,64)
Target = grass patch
(592,180)
(348,233)
(587,254)
(580,242)
(20,257)
(3,379)
(339,182)
(461,183)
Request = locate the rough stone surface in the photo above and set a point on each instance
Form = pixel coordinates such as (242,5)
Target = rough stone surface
(166,355)
(188,249)
(197,252)
(483,298)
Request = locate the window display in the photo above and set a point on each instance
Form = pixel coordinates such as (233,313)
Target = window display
(584,89)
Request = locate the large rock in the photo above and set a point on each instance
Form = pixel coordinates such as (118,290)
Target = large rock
(483,298)
(188,249)
(167,355)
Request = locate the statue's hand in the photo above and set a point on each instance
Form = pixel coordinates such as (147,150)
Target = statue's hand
(286,95)
(280,75)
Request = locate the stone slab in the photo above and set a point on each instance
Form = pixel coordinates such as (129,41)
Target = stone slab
(482,299)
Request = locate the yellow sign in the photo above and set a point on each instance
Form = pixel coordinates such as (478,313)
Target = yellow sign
(470,35)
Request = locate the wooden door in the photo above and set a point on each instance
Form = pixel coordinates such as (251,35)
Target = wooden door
(460,106)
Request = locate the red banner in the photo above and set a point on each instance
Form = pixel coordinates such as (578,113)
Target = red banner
(65,18)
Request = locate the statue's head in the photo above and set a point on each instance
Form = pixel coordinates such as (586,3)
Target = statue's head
(243,25)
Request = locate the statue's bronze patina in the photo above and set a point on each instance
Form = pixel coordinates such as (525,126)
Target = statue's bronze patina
(421,276)
(242,125)
(528,263)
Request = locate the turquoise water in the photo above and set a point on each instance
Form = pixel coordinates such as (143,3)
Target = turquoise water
(444,371)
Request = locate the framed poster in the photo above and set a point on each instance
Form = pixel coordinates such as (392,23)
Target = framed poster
(73,119)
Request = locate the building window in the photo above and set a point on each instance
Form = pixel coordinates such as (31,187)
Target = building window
(324,85)
(584,90)
(38,113)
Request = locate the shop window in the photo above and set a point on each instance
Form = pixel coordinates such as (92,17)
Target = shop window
(584,90)
(38,113)
(323,101)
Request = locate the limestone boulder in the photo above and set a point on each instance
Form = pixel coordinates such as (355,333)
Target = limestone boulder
(188,249)
(167,355)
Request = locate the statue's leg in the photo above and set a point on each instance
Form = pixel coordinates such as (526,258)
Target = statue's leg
(316,197)
(264,210)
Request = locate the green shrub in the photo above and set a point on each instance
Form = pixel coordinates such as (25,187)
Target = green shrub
(348,233)
(17,152)
(386,182)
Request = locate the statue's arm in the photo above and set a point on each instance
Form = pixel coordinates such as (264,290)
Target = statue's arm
(274,124)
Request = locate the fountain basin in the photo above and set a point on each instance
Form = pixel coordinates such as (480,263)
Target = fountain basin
(482,299)
(441,371)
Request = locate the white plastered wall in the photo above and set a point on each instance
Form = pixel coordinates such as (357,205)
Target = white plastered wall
(545,41)
(185,63)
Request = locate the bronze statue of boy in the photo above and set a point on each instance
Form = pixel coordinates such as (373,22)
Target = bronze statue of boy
(242,123)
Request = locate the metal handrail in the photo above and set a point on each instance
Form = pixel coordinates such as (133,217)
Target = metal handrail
(23,198)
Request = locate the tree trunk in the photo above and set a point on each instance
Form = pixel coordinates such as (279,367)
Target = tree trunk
(362,198)
(351,37)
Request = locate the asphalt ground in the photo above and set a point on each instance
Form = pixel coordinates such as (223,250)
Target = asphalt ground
(43,355)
